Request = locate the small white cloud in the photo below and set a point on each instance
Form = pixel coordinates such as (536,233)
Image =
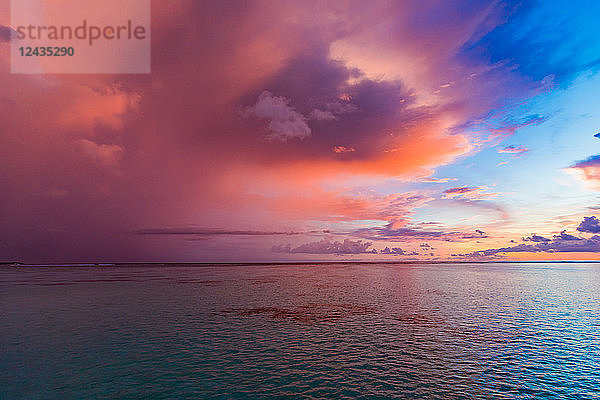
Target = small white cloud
(285,122)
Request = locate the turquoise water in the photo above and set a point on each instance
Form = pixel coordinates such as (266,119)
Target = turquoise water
(301,331)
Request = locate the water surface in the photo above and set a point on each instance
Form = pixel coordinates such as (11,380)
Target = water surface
(301,331)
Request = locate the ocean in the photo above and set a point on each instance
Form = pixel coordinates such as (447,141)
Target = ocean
(321,330)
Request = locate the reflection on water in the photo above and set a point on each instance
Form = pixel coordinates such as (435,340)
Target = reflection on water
(314,331)
(309,313)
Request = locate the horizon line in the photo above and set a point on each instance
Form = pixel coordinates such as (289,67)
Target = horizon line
(135,263)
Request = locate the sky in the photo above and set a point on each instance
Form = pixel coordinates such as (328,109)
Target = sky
(298,131)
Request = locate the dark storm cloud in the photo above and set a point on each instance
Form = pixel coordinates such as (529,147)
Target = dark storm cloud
(516,150)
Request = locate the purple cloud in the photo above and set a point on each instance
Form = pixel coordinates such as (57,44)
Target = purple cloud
(465,192)
(516,150)
(5,33)
(565,236)
(397,251)
(536,238)
(437,180)
(207,232)
(593,161)
(563,243)
(589,225)
(326,246)
(389,233)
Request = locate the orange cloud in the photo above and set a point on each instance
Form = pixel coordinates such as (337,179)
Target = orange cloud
(588,171)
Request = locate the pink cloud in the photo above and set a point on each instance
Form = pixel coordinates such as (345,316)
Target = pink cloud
(471,193)
(326,246)
(516,150)
(343,149)
(437,180)
(311,76)
(106,155)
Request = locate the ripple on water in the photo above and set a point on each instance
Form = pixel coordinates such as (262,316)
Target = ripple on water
(306,314)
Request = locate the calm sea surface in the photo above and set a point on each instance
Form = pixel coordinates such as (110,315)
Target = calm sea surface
(301,331)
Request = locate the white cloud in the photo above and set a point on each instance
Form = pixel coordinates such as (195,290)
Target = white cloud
(285,122)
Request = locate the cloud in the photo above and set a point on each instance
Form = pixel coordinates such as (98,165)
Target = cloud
(403,234)
(333,110)
(511,41)
(516,150)
(437,180)
(397,251)
(321,115)
(5,33)
(105,155)
(326,246)
(394,250)
(343,149)
(561,243)
(536,238)
(285,122)
(393,135)
(588,171)
(483,205)
(507,129)
(184,154)
(471,193)
(208,232)
(565,236)
(557,245)
(478,234)
(394,208)
(589,225)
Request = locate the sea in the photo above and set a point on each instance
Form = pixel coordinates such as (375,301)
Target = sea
(301,331)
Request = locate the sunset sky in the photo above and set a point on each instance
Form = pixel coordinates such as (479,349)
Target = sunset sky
(281,131)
